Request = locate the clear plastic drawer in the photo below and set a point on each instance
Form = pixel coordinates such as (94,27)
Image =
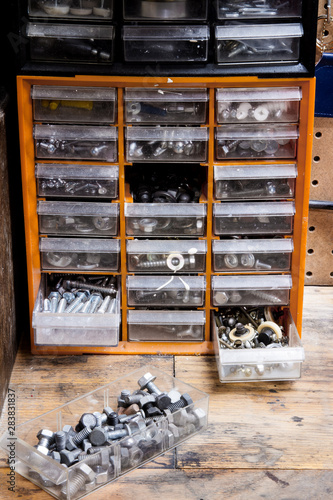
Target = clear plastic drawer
(164,10)
(274,217)
(165,219)
(166,256)
(258,43)
(144,438)
(166,326)
(167,144)
(175,44)
(252,256)
(74,104)
(78,219)
(252,9)
(62,317)
(256,141)
(255,182)
(161,105)
(166,291)
(79,254)
(252,361)
(251,290)
(96,10)
(77,181)
(76,142)
(256,105)
(71,43)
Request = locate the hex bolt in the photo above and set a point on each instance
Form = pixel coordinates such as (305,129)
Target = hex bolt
(46,306)
(262,265)
(184,401)
(69,296)
(61,305)
(147,404)
(80,297)
(45,438)
(60,438)
(147,382)
(87,420)
(102,458)
(133,399)
(99,436)
(73,441)
(104,306)
(54,298)
(88,286)
(68,457)
(84,474)
(95,300)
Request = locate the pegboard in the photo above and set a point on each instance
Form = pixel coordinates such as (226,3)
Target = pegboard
(322,160)
(319,260)
(324,31)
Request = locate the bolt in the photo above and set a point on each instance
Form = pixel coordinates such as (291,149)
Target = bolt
(95,299)
(54,298)
(102,458)
(45,438)
(87,420)
(147,382)
(99,436)
(88,286)
(184,401)
(61,305)
(104,306)
(84,474)
(267,297)
(73,441)
(262,265)
(81,296)
(68,457)
(147,404)
(46,306)
(150,264)
(60,438)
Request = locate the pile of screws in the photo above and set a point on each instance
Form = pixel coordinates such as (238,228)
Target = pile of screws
(257,148)
(77,149)
(221,297)
(84,261)
(61,224)
(165,149)
(85,294)
(228,9)
(246,261)
(77,188)
(140,111)
(164,262)
(253,189)
(244,328)
(257,49)
(253,111)
(147,422)
(266,224)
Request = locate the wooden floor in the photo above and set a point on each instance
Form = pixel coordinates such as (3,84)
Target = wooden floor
(264,441)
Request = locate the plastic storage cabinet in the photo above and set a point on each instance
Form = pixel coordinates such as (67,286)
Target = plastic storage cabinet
(164,10)
(77,181)
(245,142)
(254,365)
(97,10)
(253,218)
(75,142)
(166,326)
(248,105)
(161,291)
(168,144)
(74,104)
(71,43)
(78,219)
(255,182)
(63,483)
(254,43)
(176,106)
(252,256)
(169,219)
(174,44)
(264,290)
(251,9)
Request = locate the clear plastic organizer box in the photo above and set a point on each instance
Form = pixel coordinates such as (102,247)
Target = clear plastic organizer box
(164,10)
(274,217)
(252,256)
(257,105)
(74,328)
(255,182)
(166,256)
(252,9)
(71,43)
(166,326)
(167,144)
(174,44)
(74,104)
(76,142)
(161,105)
(97,10)
(79,254)
(256,141)
(165,219)
(146,442)
(166,291)
(77,181)
(251,290)
(256,365)
(258,43)
(66,218)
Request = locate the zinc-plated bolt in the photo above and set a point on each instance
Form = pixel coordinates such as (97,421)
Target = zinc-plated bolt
(262,265)
(69,296)
(104,306)
(54,298)
(102,458)
(68,457)
(88,286)
(60,438)
(46,306)
(61,305)
(45,437)
(184,401)
(147,382)
(84,474)
(151,264)
(99,435)
(267,297)
(74,441)
(81,296)
(95,299)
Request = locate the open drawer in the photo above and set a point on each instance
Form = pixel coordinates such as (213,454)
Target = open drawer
(261,363)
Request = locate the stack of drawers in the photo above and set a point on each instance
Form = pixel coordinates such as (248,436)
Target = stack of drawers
(78,223)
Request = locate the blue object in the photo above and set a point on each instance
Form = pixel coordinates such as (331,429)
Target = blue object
(324,87)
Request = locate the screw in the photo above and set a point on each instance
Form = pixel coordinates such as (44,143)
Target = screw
(80,297)
(188,261)
(88,286)
(84,474)
(267,297)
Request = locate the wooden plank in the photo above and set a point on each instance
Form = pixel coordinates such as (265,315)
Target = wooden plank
(200,485)
(274,425)
(319,259)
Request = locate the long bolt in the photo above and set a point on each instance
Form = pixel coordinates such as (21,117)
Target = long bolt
(75,484)
(88,286)
(80,296)
(151,387)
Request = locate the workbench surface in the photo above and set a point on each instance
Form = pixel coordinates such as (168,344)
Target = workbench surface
(270,440)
